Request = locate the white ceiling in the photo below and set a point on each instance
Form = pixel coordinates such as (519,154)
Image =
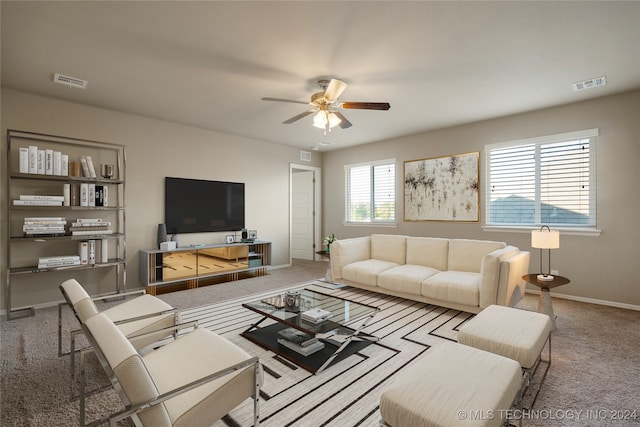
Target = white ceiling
(207,64)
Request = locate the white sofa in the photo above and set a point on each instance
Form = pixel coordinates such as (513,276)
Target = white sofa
(462,274)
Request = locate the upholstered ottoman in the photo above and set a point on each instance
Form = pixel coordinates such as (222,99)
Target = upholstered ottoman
(517,334)
(452,385)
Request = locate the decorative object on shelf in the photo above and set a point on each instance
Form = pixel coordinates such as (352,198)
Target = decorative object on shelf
(549,239)
(162,234)
(229,238)
(107,170)
(292,301)
(327,241)
(442,188)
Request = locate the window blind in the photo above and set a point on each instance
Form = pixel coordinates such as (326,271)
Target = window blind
(548,180)
(370,192)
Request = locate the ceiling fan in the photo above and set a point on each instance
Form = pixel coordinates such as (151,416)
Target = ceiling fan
(325,104)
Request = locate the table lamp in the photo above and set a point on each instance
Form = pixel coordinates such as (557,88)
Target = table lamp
(548,239)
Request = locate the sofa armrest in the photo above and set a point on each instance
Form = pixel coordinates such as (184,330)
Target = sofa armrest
(490,275)
(511,287)
(347,251)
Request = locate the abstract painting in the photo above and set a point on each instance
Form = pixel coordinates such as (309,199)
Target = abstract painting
(442,188)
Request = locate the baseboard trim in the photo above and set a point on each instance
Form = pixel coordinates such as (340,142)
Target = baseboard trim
(590,300)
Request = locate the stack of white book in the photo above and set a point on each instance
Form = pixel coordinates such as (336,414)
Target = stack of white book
(34,200)
(299,341)
(90,227)
(42,161)
(58,261)
(44,226)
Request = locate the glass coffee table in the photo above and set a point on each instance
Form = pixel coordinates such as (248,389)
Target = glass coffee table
(340,333)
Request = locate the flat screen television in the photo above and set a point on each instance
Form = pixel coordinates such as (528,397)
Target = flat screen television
(196,206)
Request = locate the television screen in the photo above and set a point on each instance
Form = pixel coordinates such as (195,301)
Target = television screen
(195,206)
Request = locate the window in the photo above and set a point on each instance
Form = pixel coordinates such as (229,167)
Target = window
(547,180)
(371,192)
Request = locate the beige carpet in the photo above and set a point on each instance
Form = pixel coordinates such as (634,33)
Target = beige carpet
(593,378)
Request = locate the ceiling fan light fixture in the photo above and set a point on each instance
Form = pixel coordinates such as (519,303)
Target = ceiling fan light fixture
(325,119)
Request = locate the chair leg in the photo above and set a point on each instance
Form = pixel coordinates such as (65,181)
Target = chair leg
(256,396)
(82,388)
(60,330)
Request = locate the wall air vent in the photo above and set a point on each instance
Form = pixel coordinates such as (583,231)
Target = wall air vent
(305,156)
(591,83)
(70,81)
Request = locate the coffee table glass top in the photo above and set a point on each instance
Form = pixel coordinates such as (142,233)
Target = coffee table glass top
(343,312)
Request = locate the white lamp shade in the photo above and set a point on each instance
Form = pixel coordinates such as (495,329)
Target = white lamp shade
(545,239)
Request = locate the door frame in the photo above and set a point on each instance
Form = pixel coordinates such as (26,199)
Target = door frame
(317,211)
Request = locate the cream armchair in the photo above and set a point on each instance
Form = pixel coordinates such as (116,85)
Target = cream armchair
(191,381)
(137,316)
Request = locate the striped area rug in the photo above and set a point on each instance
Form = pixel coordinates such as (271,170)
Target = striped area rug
(348,392)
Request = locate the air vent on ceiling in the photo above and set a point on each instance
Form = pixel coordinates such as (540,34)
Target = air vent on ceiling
(70,81)
(588,84)
(305,156)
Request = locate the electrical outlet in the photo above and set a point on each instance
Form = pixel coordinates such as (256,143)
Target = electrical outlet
(555,272)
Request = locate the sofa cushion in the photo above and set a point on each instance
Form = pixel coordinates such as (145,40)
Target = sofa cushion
(461,287)
(466,255)
(428,251)
(386,247)
(366,272)
(405,278)
(344,252)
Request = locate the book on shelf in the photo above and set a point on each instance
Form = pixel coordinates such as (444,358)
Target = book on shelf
(305,351)
(88,220)
(45,222)
(44,218)
(39,197)
(316,315)
(92,170)
(43,227)
(37,203)
(41,162)
(58,264)
(90,232)
(24,160)
(84,194)
(58,258)
(74,194)
(297,336)
(92,252)
(78,223)
(65,165)
(66,194)
(58,261)
(48,162)
(83,252)
(91,195)
(33,159)
(74,227)
(102,197)
(104,250)
(57,163)
(85,167)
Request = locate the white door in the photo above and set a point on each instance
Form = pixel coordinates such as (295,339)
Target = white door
(302,214)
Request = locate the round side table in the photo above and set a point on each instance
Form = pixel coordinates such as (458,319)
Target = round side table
(544,303)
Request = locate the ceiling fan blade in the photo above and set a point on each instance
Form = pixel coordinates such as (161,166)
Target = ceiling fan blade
(285,100)
(334,90)
(299,116)
(344,123)
(366,105)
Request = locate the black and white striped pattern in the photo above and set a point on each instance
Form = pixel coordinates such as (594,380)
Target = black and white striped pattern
(347,393)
